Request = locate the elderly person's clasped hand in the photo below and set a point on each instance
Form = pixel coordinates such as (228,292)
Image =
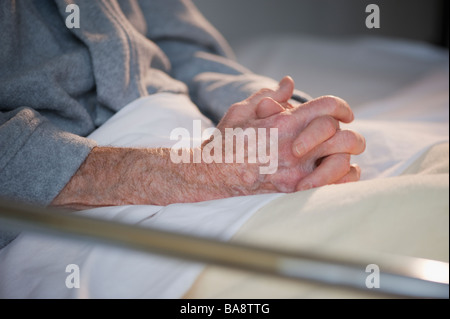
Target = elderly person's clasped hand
(312,149)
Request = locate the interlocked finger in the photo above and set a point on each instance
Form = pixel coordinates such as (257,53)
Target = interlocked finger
(318,131)
(331,169)
(344,141)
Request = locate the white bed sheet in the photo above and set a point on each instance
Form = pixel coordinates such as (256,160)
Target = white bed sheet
(398,129)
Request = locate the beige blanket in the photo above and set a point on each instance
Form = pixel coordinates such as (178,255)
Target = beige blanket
(407,215)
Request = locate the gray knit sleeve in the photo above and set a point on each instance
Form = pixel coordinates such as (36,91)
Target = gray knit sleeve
(36,159)
(201,58)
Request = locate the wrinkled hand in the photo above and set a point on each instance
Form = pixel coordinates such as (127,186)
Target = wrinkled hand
(312,149)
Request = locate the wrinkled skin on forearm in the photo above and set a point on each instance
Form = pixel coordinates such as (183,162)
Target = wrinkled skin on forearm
(127,176)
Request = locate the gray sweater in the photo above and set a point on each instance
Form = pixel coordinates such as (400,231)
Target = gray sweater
(58,84)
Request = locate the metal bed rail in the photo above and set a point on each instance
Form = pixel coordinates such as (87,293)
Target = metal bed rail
(412,277)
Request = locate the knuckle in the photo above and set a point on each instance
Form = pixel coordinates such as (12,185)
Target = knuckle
(330,101)
(336,105)
(234,107)
(264,93)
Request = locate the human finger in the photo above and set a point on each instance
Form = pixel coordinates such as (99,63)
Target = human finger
(331,169)
(268,107)
(344,141)
(285,90)
(322,106)
(318,131)
(281,94)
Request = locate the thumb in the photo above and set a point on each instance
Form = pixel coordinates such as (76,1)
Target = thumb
(285,90)
(268,107)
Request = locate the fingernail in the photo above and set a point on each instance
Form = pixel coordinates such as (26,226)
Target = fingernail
(300,148)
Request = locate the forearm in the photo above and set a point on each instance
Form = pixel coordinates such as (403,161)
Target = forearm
(130,176)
